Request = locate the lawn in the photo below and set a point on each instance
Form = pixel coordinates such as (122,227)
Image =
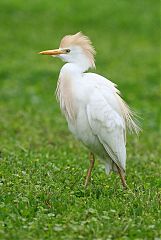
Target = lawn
(42,167)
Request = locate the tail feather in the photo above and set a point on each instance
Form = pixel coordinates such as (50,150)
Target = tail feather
(130,117)
(110,166)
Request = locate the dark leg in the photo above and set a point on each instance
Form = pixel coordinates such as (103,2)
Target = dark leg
(122,177)
(88,177)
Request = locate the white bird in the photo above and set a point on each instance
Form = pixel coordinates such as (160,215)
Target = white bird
(93,108)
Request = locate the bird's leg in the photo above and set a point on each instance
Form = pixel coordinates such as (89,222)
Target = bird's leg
(122,177)
(88,177)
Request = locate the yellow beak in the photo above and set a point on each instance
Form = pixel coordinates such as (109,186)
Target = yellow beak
(53,52)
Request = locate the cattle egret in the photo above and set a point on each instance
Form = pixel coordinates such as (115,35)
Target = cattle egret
(93,108)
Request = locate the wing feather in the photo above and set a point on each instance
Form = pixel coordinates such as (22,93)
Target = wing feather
(112,95)
(109,127)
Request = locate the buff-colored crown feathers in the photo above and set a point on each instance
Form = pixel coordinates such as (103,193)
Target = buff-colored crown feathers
(82,41)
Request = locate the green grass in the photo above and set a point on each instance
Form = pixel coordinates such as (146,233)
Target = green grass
(42,167)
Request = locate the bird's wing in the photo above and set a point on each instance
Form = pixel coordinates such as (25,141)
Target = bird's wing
(112,95)
(109,127)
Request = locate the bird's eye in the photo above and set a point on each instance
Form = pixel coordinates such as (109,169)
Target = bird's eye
(67,50)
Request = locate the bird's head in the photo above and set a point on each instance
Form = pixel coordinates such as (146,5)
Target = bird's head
(76,49)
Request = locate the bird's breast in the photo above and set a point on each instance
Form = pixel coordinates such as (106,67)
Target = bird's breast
(65,95)
(72,94)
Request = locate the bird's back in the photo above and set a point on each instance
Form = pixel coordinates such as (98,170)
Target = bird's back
(110,92)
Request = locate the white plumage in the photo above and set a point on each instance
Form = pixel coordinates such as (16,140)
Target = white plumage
(93,108)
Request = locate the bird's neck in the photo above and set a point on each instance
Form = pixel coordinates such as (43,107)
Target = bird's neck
(84,60)
(83,64)
(72,69)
